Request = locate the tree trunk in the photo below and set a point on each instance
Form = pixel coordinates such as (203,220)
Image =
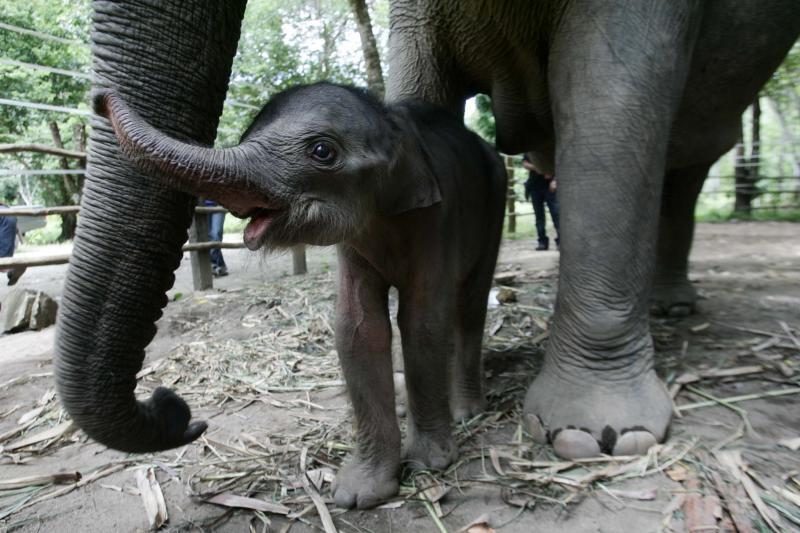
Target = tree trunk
(58,143)
(747,170)
(66,190)
(372,59)
(755,148)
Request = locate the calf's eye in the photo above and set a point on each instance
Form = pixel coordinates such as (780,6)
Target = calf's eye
(323,152)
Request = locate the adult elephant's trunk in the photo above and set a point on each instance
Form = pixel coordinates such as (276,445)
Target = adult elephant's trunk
(199,170)
(171,62)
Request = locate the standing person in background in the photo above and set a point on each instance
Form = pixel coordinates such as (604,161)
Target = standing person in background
(540,189)
(8,240)
(216,223)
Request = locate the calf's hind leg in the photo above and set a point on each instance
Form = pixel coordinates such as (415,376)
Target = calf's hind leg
(426,328)
(467,397)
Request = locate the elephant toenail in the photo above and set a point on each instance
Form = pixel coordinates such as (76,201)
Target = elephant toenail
(535,428)
(575,444)
(608,438)
(633,428)
(679,311)
(634,442)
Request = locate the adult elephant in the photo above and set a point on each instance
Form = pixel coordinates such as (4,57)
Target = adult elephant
(629,103)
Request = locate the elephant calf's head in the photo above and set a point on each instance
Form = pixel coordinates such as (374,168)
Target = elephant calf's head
(316,164)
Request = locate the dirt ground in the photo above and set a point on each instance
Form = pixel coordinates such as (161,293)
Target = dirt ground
(254,358)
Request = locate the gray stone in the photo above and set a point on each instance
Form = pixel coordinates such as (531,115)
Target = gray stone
(23,309)
(43,312)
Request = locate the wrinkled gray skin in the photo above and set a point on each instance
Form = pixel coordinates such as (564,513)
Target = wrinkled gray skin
(416,201)
(629,103)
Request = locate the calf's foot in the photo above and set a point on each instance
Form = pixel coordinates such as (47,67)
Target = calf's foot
(590,417)
(363,484)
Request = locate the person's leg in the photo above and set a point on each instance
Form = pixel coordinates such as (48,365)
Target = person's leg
(537,199)
(8,237)
(216,223)
(552,205)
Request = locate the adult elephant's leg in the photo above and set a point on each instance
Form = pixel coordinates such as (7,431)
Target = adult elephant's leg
(616,72)
(171,62)
(673,294)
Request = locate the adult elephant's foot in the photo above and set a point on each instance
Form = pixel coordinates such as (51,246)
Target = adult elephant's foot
(591,417)
(673,300)
(363,484)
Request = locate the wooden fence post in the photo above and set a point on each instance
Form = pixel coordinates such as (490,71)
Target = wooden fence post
(511,208)
(201,259)
(299,259)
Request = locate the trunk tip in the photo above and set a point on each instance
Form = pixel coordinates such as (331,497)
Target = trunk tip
(101,101)
(173,416)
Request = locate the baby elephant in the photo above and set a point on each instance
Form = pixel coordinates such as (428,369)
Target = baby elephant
(414,200)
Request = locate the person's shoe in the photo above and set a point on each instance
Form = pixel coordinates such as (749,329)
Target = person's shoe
(219,271)
(542,246)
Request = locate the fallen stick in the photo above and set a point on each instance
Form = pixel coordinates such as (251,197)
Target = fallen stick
(44,479)
(51,433)
(721,401)
(737,399)
(788,331)
(751,330)
(732,461)
(732,495)
(699,508)
(152,497)
(322,509)
(69,488)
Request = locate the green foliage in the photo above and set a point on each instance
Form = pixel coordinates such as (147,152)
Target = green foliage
(65,18)
(46,235)
(786,80)
(727,215)
(9,189)
(68,19)
(234,225)
(285,43)
(483,121)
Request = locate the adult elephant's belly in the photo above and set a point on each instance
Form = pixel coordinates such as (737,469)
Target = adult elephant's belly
(724,77)
(699,140)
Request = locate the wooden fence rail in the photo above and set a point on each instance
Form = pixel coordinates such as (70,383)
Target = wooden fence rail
(29,260)
(66,209)
(199,246)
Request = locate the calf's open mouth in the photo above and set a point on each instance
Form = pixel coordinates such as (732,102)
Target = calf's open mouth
(260,221)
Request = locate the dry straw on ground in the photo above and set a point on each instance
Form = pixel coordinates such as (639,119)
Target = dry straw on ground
(286,471)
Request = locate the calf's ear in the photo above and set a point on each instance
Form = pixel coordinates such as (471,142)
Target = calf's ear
(410,182)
